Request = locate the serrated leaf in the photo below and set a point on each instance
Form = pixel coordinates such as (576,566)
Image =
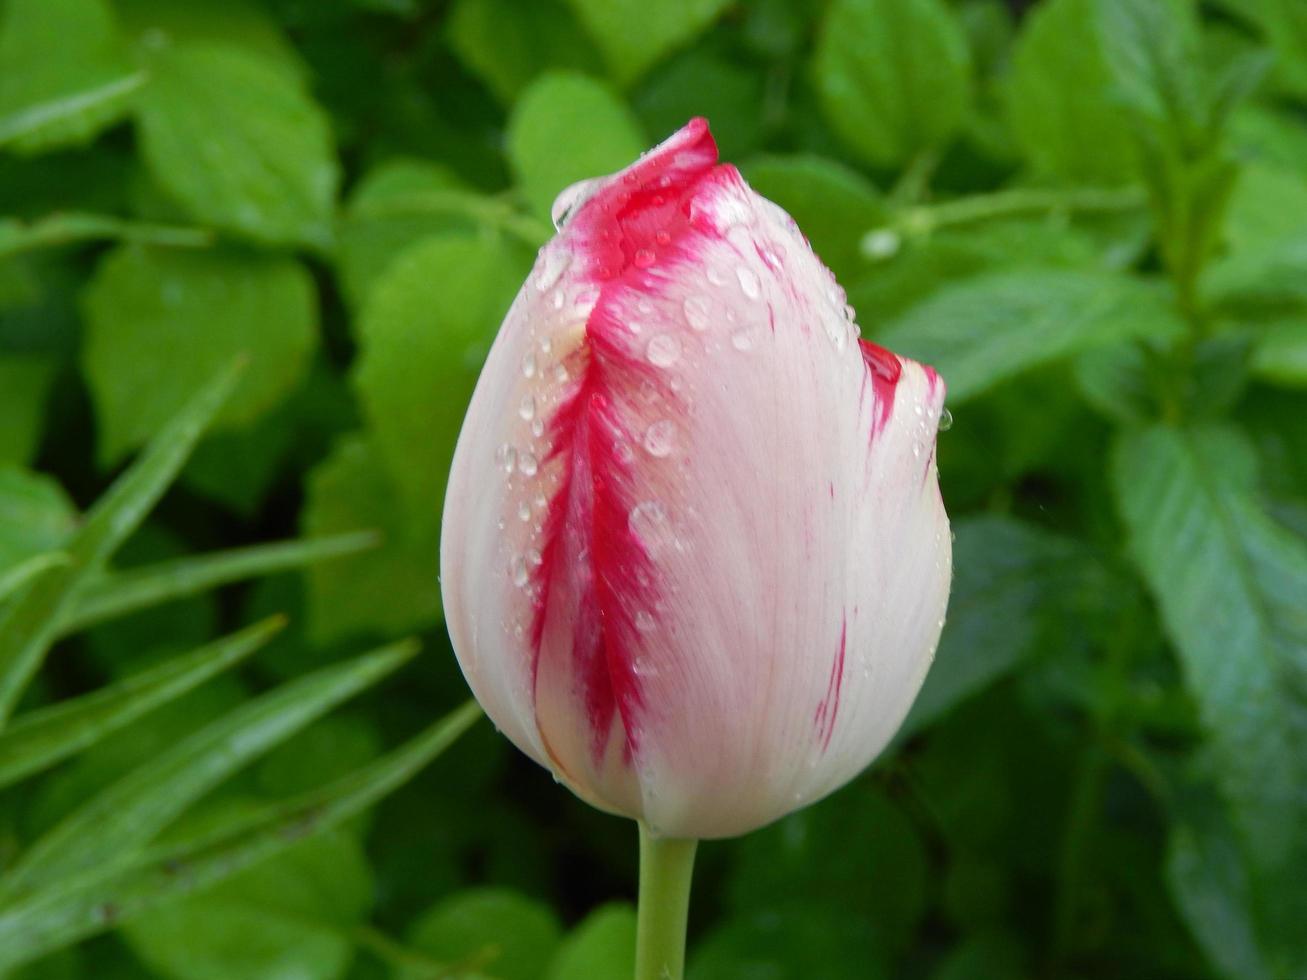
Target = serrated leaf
(121,593)
(38,739)
(1058,97)
(146,306)
(1229,583)
(893,75)
(239,144)
(114,826)
(989,328)
(111,895)
(633,35)
(595,129)
(30,624)
(64,73)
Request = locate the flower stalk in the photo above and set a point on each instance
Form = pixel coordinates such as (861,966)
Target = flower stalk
(666,869)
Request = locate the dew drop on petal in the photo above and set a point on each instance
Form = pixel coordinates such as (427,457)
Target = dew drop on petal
(534,558)
(528,408)
(749,284)
(537,427)
(715,276)
(662,237)
(647,521)
(529,365)
(945,420)
(560,372)
(696,312)
(742,340)
(569,202)
(506,457)
(552,266)
(524,511)
(643,258)
(663,350)
(527,464)
(643,621)
(518,571)
(660,438)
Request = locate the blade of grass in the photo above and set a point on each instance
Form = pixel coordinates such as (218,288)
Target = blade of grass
(120,593)
(22,573)
(28,626)
(114,825)
(41,738)
(72,910)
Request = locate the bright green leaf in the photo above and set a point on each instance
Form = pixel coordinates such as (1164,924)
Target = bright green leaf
(64,73)
(239,144)
(161,321)
(894,76)
(35,515)
(633,34)
(1281,354)
(506,935)
(567,127)
(601,947)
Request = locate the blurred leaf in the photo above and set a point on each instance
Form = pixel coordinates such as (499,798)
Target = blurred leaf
(24,384)
(790,943)
(36,515)
(1057,97)
(64,73)
(71,227)
(423,337)
(161,321)
(29,625)
(989,328)
(385,591)
(1266,207)
(238,144)
(327,750)
(507,43)
(492,930)
(601,947)
(1267,135)
(15,577)
(705,81)
(1285,22)
(1229,583)
(833,204)
(112,894)
(564,109)
(894,76)
(111,829)
(291,913)
(1281,355)
(633,35)
(1016,589)
(38,739)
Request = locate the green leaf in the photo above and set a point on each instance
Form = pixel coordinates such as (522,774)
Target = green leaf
(16,576)
(1285,22)
(24,385)
(38,739)
(1017,591)
(239,144)
(833,204)
(567,127)
(1229,583)
(64,73)
(1266,207)
(292,912)
(1281,354)
(894,76)
(385,591)
(110,895)
(423,337)
(36,515)
(120,593)
(989,328)
(112,827)
(507,43)
(30,624)
(1057,97)
(73,227)
(493,930)
(161,321)
(793,942)
(705,81)
(601,947)
(633,35)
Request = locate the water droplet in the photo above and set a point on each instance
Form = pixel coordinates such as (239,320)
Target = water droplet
(553,263)
(556,300)
(662,237)
(587,297)
(659,438)
(527,464)
(560,372)
(742,339)
(643,621)
(663,350)
(506,457)
(528,408)
(570,201)
(696,312)
(623,452)
(648,522)
(772,257)
(546,345)
(715,276)
(540,501)
(643,258)
(749,284)
(524,511)
(534,558)
(529,365)
(635,326)
(945,420)
(518,571)
(537,427)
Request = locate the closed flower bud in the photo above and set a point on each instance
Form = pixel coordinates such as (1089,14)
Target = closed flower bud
(694,556)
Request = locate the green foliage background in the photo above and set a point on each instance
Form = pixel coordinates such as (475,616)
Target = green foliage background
(1090,215)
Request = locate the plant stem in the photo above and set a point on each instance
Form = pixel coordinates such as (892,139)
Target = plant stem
(666,867)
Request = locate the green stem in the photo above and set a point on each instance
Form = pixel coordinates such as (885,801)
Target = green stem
(666,867)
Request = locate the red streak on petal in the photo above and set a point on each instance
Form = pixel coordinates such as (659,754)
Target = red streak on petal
(830,704)
(884,368)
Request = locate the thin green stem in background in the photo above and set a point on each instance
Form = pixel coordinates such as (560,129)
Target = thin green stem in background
(666,869)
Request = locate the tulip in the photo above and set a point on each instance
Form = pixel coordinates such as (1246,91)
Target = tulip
(694,556)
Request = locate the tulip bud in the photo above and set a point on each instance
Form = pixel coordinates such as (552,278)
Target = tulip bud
(694,556)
